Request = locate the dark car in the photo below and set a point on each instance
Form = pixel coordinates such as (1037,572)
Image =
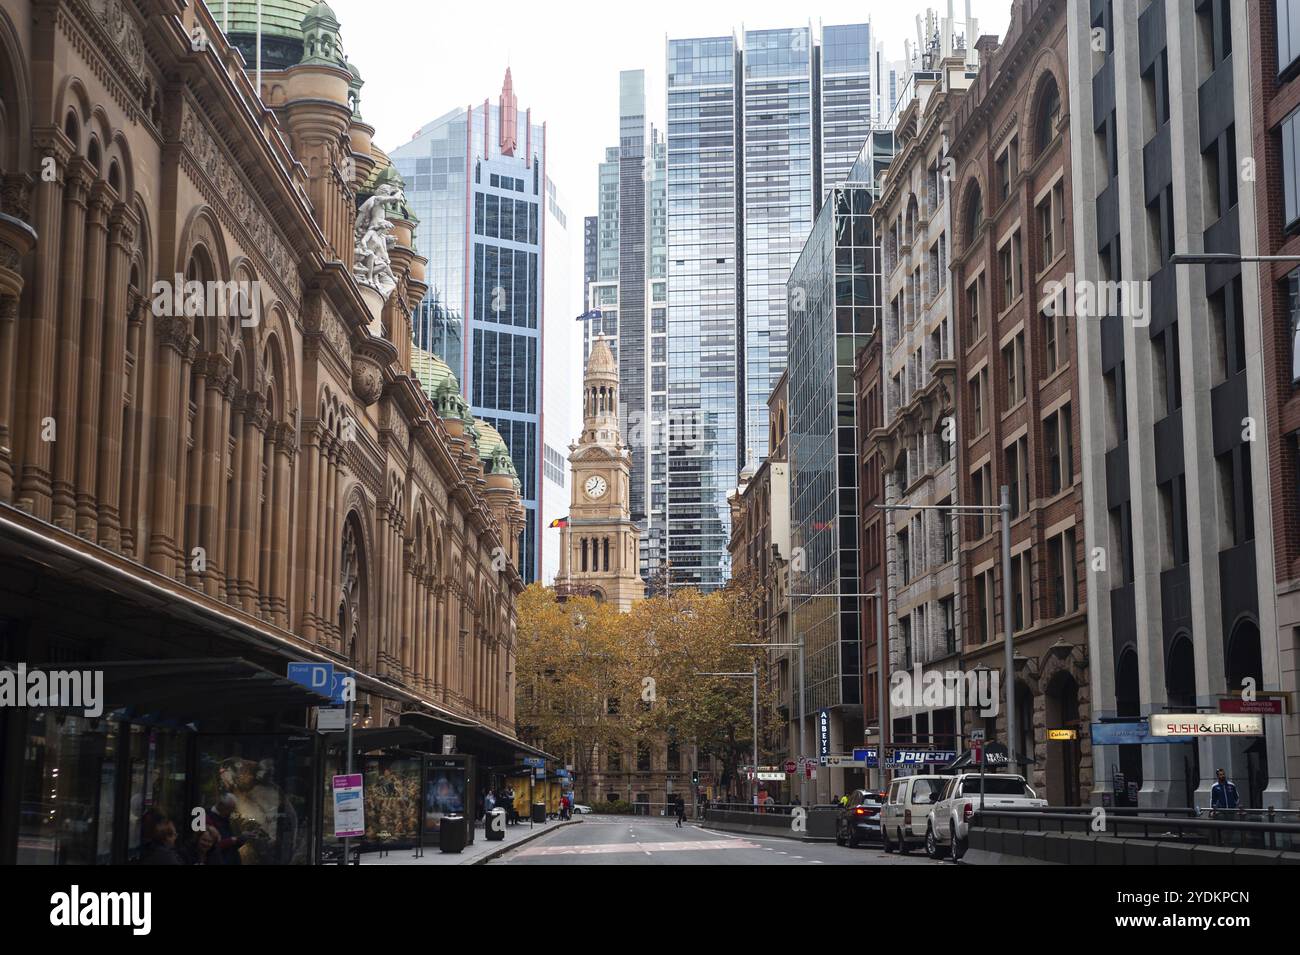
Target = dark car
(859,821)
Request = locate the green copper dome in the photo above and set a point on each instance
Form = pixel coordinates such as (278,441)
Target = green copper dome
(282,37)
(433,374)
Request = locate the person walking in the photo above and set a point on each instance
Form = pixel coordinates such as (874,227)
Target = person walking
(1223,794)
(681,811)
(219,819)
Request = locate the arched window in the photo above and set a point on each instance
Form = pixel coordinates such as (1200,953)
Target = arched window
(974,213)
(1048,115)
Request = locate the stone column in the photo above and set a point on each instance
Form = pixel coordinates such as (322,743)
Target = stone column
(286,446)
(35,399)
(249,507)
(194,476)
(266,533)
(91,374)
(130,472)
(331,544)
(234,494)
(112,391)
(212,462)
(175,347)
(17,239)
(80,175)
(310,520)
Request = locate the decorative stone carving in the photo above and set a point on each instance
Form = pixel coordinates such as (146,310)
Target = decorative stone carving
(373,267)
(211,159)
(368,360)
(123,30)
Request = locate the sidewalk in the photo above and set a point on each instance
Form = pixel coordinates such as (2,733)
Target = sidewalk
(479,853)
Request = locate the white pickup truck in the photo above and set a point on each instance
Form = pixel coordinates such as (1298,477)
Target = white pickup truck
(949,821)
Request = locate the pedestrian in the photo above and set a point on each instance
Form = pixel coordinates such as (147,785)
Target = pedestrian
(202,852)
(489,802)
(681,811)
(219,818)
(159,840)
(1223,795)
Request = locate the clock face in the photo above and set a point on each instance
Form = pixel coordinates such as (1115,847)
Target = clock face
(596,486)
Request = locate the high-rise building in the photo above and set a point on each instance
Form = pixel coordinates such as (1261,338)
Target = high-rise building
(835,304)
(477,176)
(1182,602)
(759,128)
(630,290)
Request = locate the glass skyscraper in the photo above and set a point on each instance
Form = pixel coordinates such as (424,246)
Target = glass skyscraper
(835,306)
(630,290)
(758,133)
(476,178)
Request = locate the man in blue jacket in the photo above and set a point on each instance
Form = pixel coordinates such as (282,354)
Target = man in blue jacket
(1223,795)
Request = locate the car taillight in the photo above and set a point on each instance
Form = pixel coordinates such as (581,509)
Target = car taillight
(968,812)
(907,817)
(859,811)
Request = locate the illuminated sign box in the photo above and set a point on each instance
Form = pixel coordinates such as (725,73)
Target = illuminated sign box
(1206,724)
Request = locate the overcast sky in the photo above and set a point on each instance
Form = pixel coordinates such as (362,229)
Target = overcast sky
(420,59)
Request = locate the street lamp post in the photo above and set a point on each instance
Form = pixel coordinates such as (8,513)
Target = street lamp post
(1003,509)
(803,743)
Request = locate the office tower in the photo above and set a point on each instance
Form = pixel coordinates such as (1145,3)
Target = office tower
(834,293)
(758,129)
(493,231)
(589,239)
(630,290)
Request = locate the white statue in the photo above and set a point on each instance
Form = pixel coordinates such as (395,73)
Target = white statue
(373,266)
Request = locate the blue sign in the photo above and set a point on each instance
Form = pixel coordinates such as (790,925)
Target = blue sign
(867,756)
(535,761)
(920,757)
(314,676)
(1130,732)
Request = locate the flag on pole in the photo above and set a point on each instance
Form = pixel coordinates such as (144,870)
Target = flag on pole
(559,522)
(589,315)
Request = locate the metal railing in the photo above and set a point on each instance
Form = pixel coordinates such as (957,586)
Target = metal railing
(1280,831)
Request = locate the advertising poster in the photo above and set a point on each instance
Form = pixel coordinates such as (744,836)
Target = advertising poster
(349,808)
(444,795)
(392,798)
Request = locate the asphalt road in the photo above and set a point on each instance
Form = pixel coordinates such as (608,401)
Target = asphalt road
(624,840)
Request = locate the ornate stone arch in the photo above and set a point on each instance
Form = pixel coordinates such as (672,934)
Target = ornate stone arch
(15,100)
(354,612)
(1047,72)
(201,239)
(73,99)
(972,191)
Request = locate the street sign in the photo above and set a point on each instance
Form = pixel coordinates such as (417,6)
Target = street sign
(1261,705)
(771,777)
(1062,734)
(823,735)
(791,766)
(314,676)
(1201,724)
(977,736)
(331,719)
(534,761)
(349,807)
(867,755)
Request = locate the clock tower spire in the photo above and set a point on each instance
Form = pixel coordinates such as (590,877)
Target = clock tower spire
(599,546)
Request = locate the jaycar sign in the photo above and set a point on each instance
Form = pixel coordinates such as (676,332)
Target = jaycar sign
(1206,724)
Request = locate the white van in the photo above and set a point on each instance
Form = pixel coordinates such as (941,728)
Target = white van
(906,809)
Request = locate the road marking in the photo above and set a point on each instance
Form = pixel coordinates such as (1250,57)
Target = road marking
(647,847)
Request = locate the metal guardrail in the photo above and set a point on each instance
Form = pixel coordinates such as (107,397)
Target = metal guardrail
(1220,831)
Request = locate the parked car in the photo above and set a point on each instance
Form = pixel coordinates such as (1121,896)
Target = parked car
(907,809)
(580,809)
(859,821)
(948,824)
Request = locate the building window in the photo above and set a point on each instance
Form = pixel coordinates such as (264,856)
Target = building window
(1016,460)
(1021,599)
(1063,574)
(1290,133)
(1013,360)
(904,557)
(1293,319)
(1288,37)
(974,320)
(1010,271)
(977,400)
(1058,448)
(945,532)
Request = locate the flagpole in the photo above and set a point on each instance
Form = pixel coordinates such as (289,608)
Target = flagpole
(259,49)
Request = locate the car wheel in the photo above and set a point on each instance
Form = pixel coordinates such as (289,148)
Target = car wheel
(958,849)
(932,847)
(884,838)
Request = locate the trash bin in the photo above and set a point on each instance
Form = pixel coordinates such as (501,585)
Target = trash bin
(451,834)
(539,812)
(494,825)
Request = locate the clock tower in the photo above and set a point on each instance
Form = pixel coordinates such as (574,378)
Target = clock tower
(599,546)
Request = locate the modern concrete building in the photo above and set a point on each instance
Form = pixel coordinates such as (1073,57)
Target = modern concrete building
(1182,581)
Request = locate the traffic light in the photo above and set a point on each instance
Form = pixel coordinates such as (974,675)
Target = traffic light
(695,778)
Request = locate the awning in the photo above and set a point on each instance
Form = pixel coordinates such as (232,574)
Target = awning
(190,689)
(379,737)
(476,738)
